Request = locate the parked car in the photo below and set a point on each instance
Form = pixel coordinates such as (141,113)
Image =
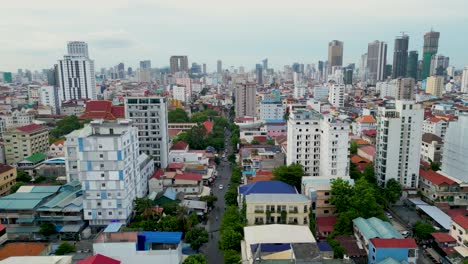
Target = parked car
(405,234)
(221,186)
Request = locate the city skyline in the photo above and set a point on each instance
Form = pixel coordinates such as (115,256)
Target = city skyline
(140,30)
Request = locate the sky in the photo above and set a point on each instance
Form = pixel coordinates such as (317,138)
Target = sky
(240,33)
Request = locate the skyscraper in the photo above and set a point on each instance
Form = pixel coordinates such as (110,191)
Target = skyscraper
(363,67)
(335,54)
(376,61)
(400,56)
(405,89)
(219,66)
(259,73)
(439,64)
(245,99)
(265,64)
(464,81)
(146,64)
(431,45)
(121,70)
(179,64)
(76,75)
(204,68)
(412,68)
(398,145)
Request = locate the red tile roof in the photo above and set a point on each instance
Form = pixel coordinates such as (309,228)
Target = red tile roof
(157,174)
(101,109)
(357,159)
(369,150)
(175,165)
(261,139)
(5,168)
(189,176)
(370,132)
(181,145)
(441,237)
(21,249)
(461,220)
(435,177)
(174,132)
(326,223)
(361,142)
(208,126)
(31,128)
(98,259)
(366,119)
(59,142)
(434,119)
(393,243)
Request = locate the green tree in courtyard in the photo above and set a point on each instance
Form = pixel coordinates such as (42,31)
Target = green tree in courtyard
(64,248)
(291,174)
(177,115)
(196,237)
(195,259)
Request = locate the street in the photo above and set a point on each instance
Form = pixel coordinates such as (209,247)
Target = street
(210,249)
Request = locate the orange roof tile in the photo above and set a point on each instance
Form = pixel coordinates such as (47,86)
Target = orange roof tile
(21,249)
(366,119)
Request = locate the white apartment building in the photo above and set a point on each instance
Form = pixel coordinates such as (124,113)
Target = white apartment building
(336,94)
(386,89)
(435,85)
(245,94)
(271,109)
(18,118)
(320,92)
(49,97)
(319,143)
(33,93)
(78,48)
(431,148)
(179,92)
(398,143)
(300,90)
(76,78)
(455,150)
(464,80)
(436,126)
(149,114)
(104,157)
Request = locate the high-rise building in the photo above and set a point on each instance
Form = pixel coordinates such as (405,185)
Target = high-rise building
(320,70)
(439,64)
(179,64)
(219,66)
(363,67)
(245,99)
(435,85)
(400,56)
(129,71)
(265,64)
(7,77)
(76,75)
(464,80)
(24,141)
(49,97)
(319,143)
(204,68)
(259,73)
(78,48)
(336,94)
(149,114)
(398,143)
(412,68)
(405,89)
(431,45)
(454,153)
(335,54)
(104,156)
(146,64)
(121,70)
(376,61)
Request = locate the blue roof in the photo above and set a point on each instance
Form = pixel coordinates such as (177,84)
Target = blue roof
(324,246)
(274,121)
(55,161)
(162,237)
(274,101)
(267,187)
(113,227)
(170,193)
(271,247)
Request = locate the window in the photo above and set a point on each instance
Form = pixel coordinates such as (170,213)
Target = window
(99,213)
(103,185)
(89,213)
(110,213)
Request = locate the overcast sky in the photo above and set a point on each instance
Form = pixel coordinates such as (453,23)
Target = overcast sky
(239,32)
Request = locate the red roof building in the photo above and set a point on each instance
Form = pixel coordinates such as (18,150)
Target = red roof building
(208,126)
(441,237)
(189,177)
(325,225)
(31,128)
(157,174)
(99,259)
(181,145)
(461,220)
(175,166)
(393,243)
(101,109)
(435,178)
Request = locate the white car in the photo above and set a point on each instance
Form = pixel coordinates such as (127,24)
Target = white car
(221,186)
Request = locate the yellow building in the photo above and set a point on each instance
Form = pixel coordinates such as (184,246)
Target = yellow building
(282,208)
(435,85)
(22,142)
(7,179)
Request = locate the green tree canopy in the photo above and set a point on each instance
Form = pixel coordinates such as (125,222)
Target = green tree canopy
(23,176)
(47,229)
(230,239)
(255,142)
(209,199)
(423,230)
(15,187)
(64,248)
(291,175)
(66,126)
(177,115)
(196,237)
(195,259)
(353,147)
(170,223)
(231,257)
(392,191)
(142,205)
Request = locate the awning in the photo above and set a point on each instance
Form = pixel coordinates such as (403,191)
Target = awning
(71,228)
(25,220)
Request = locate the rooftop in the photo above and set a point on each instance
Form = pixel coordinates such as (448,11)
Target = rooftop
(36,157)
(267,187)
(374,227)
(435,177)
(38,260)
(428,138)
(441,237)
(102,109)
(31,128)
(393,243)
(276,197)
(277,233)
(366,119)
(21,249)
(98,259)
(5,168)
(181,145)
(461,220)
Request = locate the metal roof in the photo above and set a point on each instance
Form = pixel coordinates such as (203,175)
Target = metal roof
(113,227)
(162,237)
(267,187)
(374,227)
(434,212)
(277,197)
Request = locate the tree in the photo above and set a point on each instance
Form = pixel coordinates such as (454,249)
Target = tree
(196,237)
(369,174)
(66,126)
(353,147)
(40,179)
(209,199)
(47,229)
(255,142)
(231,196)
(196,137)
(177,115)
(392,191)
(270,142)
(217,160)
(423,230)
(291,174)
(64,248)
(231,257)
(195,259)
(169,223)
(15,187)
(435,166)
(230,239)
(23,177)
(142,205)
(338,250)
(232,158)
